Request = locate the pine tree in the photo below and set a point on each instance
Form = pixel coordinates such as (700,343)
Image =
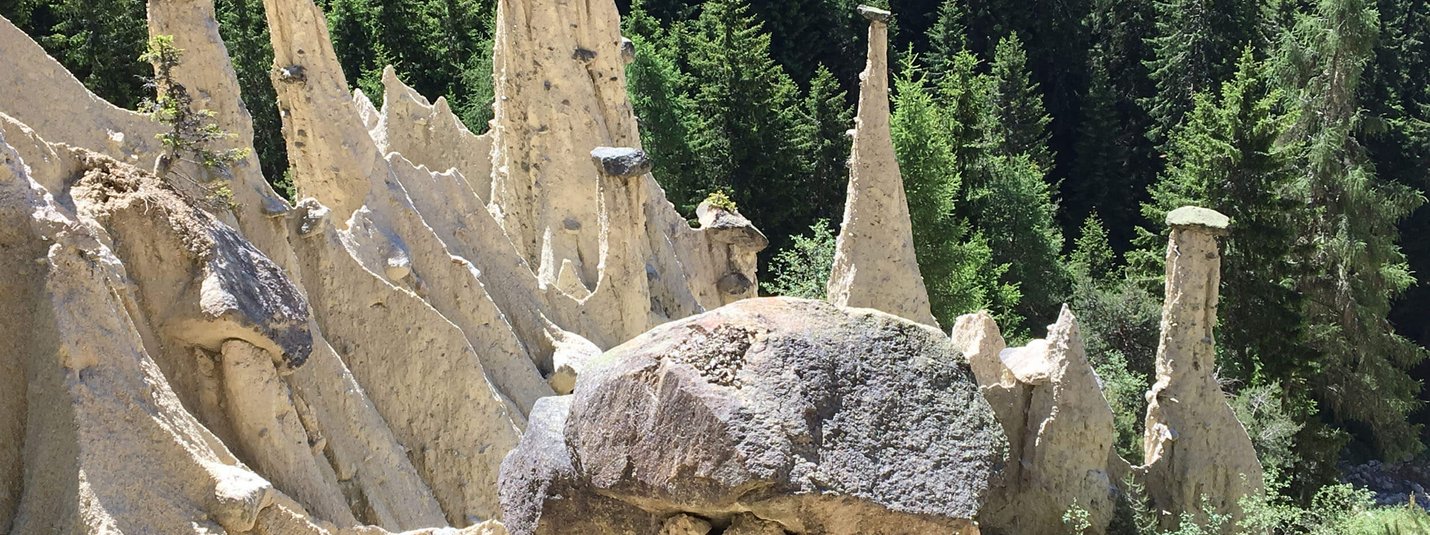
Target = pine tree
(1396,96)
(1014,208)
(352,25)
(1101,182)
(99,41)
(806,35)
(467,28)
(1361,362)
(802,270)
(746,113)
(970,120)
(1114,161)
(475,96)
(1004,197)
(1020,105)
(825,119)
(1194,47)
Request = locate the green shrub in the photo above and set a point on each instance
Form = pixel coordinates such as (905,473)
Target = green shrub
(802,269)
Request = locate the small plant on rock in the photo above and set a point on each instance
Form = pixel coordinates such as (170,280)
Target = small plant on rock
(718,199)
(192,133)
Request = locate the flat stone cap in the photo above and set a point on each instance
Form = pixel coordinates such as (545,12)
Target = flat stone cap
(1192,216)
(622,162)
(874,14)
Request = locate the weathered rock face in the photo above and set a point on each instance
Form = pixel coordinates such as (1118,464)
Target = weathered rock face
(874,262)
(370,355)
(777,415)
(1200,458)
(1060,428)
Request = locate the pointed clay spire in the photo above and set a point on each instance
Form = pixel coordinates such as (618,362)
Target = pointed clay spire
(874,264)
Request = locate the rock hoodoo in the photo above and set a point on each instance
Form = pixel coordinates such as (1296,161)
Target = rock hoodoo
(874,262)
(780,415)
(1198,454)
(1060,430)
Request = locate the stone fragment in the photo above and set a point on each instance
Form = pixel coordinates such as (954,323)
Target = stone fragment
(623,162)
(313,216)
(573,355)
(628,50)
(874,262)
(684,525)
(1200,458)
(748,524)
(1194,216)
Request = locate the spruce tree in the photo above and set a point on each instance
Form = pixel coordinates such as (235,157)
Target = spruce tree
(806,35)
(1013,206)
(1004,197)
(245,33)
(655,84)
(947,37)
(1113,159)
(352,25)
(970,118)
(99,41)
(1361,362)
(1021,115)
(825,120)
(1100,183)
(1396,97)
(959,274)
(1193,50)
(802,270)
(745,115)
(466,28)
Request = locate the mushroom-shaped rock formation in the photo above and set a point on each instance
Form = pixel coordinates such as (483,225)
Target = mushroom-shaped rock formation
(874,262)
(776,415)
(1200,459)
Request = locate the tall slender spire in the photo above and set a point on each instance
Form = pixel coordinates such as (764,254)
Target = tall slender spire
(874,263)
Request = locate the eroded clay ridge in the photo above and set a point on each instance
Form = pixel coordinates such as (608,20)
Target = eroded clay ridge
(366,356)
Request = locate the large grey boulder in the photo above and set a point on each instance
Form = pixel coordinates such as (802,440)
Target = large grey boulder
(815,418)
